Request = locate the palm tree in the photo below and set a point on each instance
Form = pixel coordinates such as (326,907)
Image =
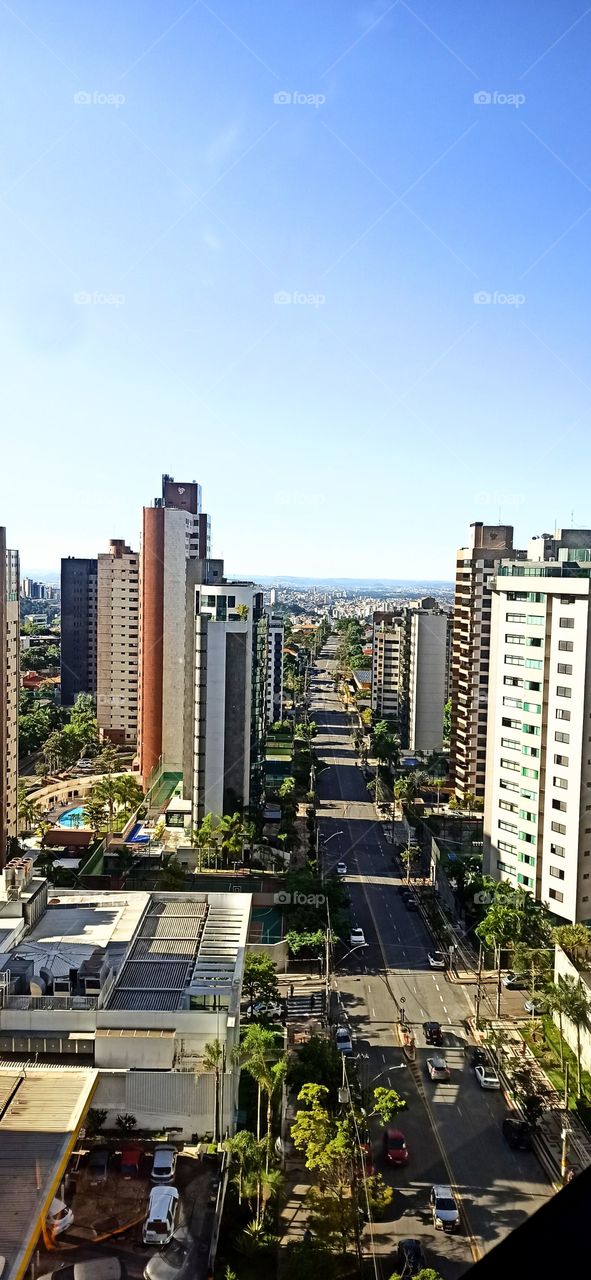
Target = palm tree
(231,836)
(244,1150)
(129,794)
(94,813)
(106,791)
(557,999)
(206,838)
(29,812)
(213,1060)
(577,1011)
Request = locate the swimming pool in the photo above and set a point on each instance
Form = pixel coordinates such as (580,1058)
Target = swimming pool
(72,817)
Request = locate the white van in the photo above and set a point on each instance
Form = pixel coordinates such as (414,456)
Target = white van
(162,1211)
(59,1218)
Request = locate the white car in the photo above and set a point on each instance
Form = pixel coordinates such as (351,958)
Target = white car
(268,1010)
(357,938)
(164,1163)
(160,1220)
(437,959)
(341,868)
(343,1041)
(59,1218)
(486,1077)
(99,1268)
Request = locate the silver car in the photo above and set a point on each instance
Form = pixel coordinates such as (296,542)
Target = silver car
(175,1261)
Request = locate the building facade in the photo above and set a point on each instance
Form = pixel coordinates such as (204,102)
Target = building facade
(225,692)
(475,567)
(410,672)
(274,668)
(9,692)
(78,628)
(537,821)
(175,533)
(118,643)
(388,671)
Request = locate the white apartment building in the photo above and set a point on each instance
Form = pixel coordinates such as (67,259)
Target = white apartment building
(388,700)
(225,693)
(9,691)
(274,668)
(537,818)
(117,643)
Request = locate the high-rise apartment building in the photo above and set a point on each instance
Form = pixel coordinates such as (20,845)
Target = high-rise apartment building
(78,628)
(9,691)
(225,692)
(537,819)
(274,667)
(174,533)
(475,567)
(118,643)
(410,672)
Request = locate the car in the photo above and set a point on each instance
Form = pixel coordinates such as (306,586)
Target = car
(343,1041)
(437,1069)
(394,1147)
(160,1219)
(410,1258)
(433,1032)
(478,1057)
(85,764)
(175,1260)
(59,1218)
(357,937)
(486,1077)
(96,1268)
(131,1158)
(341,868)
(514,981)
(534,1006)
(411,904)
(437,960)
(268,1010)
(517,1133)
(164,1162)
(446,1215)
(98,1164)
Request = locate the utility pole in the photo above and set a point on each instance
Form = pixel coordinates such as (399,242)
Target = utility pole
(479,987)
(566,1066)
(565,1135)
(498,960)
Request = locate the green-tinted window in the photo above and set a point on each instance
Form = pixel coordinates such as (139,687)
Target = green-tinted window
(532,706)
(529,773)
(536,663)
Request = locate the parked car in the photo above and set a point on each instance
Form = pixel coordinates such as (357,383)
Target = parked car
(98,1164)
(357,937)
(160,1220)
(411,903)
(131,1158)
(478,1057)
(175,1260)
(534,1006)
(96,1268)
(486,1077)
(437,960)
(394,1147)
(433,1033)
(410,1258)
(446,1215)
(341,868)
(268,1010)
(517,1133)
(343,1041)
(164,1162)
(59,1218)
(514,981)
(437,1069)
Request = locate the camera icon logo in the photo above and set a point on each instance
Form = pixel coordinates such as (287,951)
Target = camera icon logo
(281,898)
(482,898)
(482,98)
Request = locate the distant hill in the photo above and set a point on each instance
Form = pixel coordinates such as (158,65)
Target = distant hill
(369,585)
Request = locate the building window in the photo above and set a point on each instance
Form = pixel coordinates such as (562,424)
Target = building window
(508,786)
(563,760)
(533,642)
(557,850)
(510,743)
(528,795)
(532,706)
(567,622)
(561,737)
(557,873)
(508,826)
(554,893)
(527,837)
(506,848)
(510,724)
(561,714)
(515,617)
(512,702)
(558,827)
(530,751)
(559,804)
(513,680)
(534,619)
(529,773)
(526,814)
(532,684)
(566,646)
(513,661)
(231,602)
(560,782)
(565,668)
(563,691)
(504,804)
(509,764)
(535,663)
(513,639)
(532,728)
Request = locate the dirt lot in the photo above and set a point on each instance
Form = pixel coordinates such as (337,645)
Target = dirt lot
(108,1215)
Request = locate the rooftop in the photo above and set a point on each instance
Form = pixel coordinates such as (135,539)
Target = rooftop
(40,1112)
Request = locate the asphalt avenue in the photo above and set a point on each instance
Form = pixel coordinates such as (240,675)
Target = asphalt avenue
(453,1130)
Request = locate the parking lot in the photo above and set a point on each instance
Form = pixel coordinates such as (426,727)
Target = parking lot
(109,1211)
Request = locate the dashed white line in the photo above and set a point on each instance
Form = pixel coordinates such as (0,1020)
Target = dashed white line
(444,1008)
(373,1013)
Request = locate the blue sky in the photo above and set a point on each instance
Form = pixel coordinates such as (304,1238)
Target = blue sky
(159,203)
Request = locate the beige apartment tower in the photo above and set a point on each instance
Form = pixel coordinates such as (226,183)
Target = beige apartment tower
(9,690)
(117,643)
(475,568)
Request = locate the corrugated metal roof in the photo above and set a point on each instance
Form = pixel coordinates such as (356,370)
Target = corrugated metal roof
(139,998)
(157,970)
(37,1131)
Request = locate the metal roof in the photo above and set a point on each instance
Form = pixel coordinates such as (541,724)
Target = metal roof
(40,1114)
(156,973)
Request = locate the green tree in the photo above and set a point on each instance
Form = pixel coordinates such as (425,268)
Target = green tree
(573,938)
(513,916)
(206,839)
(260,979)
(107,761)
(557,999)
(128,793)
(105,792)
(531,1099)
(172,873)
(213,1061)
(577,1012)
(94,813)
(245,1157)
(333,1218)
(29,811)
(426,1273)
(317,1061)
